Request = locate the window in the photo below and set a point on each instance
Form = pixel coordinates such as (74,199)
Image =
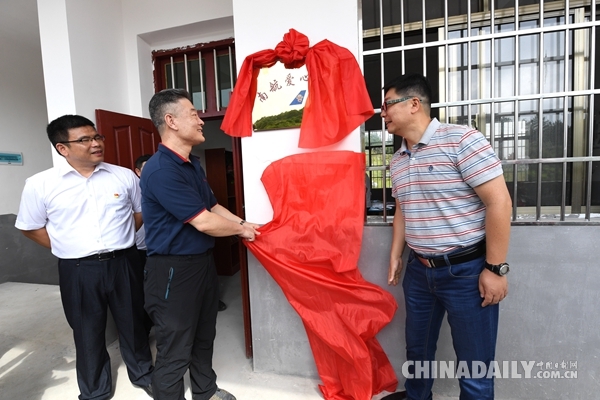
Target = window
(526,76)
(209,81)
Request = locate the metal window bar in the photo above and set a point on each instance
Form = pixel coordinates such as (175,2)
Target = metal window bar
(401,36)
(592,85)
(469,46)
(217,80)
(492,78)
(446,65)
(517,16)
(563,197)
(201,71)
(383,130)
(424,30)
(230,69)
(172,74)
(517,124)
(402,30)
(538,203)
(185,69)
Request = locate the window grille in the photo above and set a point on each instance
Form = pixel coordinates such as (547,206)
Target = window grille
(501,66)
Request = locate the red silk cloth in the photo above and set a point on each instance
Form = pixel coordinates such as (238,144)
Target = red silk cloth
(311,249)
(338,101)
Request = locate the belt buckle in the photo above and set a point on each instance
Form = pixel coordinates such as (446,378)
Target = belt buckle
(431,263)
(106,256)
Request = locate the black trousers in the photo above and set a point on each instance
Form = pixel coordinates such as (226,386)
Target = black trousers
(140,274)
(182,298)
(88,288)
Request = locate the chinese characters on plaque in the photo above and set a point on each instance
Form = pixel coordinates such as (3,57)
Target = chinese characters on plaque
(281,95)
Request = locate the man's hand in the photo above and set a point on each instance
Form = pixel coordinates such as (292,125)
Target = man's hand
(492,288)
(394,271)
(250,231)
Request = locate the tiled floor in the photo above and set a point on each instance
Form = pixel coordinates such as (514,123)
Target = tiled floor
(37,355)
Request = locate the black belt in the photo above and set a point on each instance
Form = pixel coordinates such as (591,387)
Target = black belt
(109,255)
(468,254)
(182,256)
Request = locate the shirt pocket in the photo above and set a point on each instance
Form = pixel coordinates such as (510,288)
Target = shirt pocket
(116,202)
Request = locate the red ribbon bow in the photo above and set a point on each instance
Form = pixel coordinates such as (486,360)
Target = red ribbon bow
(338,101)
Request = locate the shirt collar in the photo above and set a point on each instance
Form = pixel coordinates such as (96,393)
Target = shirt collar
(66,168)
(426,138)
(172,154)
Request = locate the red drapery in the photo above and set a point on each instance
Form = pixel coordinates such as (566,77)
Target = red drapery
(311,249)
(337,103)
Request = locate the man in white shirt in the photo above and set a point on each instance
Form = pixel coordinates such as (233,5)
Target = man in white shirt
(87,212)
(140,235)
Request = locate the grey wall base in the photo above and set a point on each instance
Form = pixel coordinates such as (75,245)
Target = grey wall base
(22,260)
(550,314)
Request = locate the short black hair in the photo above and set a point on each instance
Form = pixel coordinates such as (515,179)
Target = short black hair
(58,130)
(162,101)
(141,160)
(411,85)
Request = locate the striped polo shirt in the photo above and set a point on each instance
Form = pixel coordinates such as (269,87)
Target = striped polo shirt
(434,183)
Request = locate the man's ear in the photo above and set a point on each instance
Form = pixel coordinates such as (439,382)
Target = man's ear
(170,121)
(63,149)
(416,105)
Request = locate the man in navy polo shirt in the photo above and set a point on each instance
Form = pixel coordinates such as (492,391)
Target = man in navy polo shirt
(182,217)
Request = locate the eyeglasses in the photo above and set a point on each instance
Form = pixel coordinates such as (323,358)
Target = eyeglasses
(86,140)
(384,106)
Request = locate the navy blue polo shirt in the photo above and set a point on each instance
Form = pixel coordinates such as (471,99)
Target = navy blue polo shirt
(174,192)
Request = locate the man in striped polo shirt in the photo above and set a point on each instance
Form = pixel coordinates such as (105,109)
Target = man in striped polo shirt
(453,210)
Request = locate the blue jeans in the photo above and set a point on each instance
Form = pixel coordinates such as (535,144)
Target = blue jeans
(429,293)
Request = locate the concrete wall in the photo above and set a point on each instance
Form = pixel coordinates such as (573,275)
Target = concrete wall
(22,260)
(550,314)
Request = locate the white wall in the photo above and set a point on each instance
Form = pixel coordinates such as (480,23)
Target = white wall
(156,24)
(97,55)
(83,56)
(83,53)
(22,100)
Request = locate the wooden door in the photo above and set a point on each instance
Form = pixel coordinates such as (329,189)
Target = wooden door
(243,252)
(221,178)
(127,137)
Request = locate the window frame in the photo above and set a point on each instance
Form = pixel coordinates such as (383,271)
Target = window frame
(162,58)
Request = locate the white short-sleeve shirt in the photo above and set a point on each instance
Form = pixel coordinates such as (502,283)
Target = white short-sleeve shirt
(140,238)
(83,216)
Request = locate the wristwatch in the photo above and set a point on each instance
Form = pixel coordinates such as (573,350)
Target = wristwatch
(498,269)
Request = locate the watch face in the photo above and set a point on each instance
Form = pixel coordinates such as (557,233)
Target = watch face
(503,269)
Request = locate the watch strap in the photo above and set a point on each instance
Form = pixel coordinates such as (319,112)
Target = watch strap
(497,268)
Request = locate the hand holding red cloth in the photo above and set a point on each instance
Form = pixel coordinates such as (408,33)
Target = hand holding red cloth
(311,249)
(338,101)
